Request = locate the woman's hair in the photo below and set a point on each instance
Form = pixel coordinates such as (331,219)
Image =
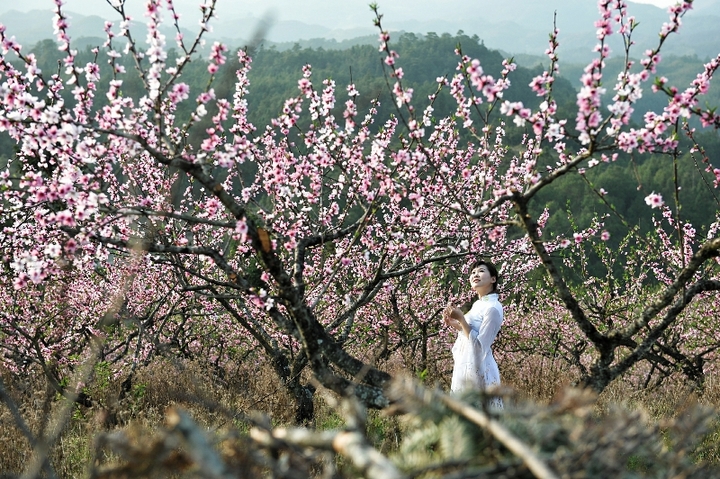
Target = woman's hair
(491,269)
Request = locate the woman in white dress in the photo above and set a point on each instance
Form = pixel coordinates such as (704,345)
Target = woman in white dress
(474,364)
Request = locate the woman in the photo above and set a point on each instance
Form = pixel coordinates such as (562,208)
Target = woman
(474,364)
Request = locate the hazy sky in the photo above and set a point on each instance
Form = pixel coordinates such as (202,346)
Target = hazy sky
(658,3)
(283,9)
(350,17)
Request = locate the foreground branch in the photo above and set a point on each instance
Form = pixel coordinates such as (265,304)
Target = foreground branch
(351,444)
(402,389)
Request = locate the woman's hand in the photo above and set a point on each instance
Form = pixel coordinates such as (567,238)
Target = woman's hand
(455,319)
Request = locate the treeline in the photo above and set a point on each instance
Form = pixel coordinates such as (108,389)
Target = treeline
(424,58)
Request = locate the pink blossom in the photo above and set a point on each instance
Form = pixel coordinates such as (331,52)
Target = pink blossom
(654,200)
(241,230)
(20,281)
(71,246)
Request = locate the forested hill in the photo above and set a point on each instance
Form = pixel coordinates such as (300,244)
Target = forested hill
(275,74)
(423,59)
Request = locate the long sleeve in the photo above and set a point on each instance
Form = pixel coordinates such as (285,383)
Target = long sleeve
(488,331)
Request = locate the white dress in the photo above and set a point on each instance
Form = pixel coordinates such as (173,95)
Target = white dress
(474,364)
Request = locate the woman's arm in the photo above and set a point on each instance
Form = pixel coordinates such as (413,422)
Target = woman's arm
(455,319)
(489,328)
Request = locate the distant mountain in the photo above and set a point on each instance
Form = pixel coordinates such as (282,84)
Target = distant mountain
(514,26)
(31,27)
(522,26)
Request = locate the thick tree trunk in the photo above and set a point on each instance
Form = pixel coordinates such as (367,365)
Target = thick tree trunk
(303,394)
(304,405)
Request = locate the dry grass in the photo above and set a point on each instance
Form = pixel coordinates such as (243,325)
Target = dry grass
(153,390)
(537,379)
(222,403)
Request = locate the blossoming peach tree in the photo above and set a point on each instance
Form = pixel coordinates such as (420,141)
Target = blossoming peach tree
(312,236)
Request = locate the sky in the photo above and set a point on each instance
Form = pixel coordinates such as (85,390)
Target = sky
(658,3)
(283,9)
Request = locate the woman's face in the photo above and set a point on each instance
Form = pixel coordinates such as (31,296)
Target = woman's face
(480,279)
